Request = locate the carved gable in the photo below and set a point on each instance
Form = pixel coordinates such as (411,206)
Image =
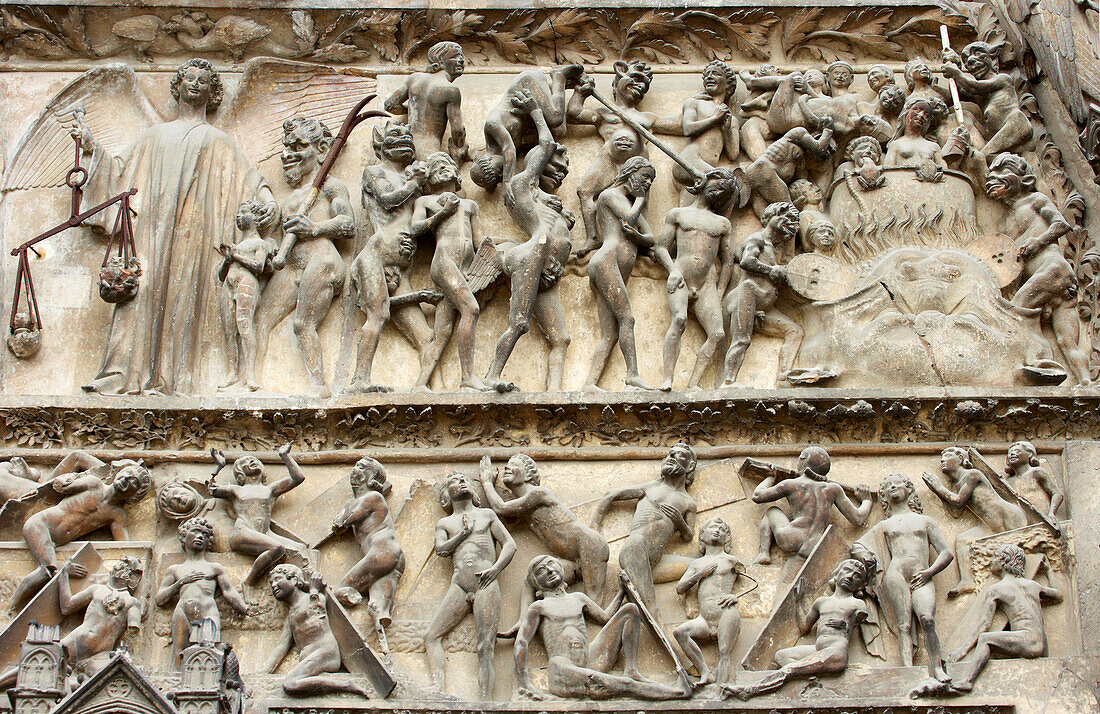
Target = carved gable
(118,688)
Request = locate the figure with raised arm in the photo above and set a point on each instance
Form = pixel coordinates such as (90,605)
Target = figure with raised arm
(969,488)
(811,497)
(577,668)
(534,267)
(456,224)
(368,516)
(308,628)
(88,503)
(664,508)
(433,103)
(469,536)
(194,583)
(583,552)
(836,616)
(251,502)
(698,275)
(905,540)
(1005,122)
(622,229)
(712,575)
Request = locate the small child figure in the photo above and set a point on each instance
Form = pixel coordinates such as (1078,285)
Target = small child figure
(714,572)
(244,264)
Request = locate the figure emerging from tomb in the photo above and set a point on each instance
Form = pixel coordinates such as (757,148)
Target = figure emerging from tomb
(510,127)
(1049,281)
(582,551)
(665,508)
(456,225)
(194,583)
(621,143)
(757,292)
(311,275)
(712,575)
(88,504)
(1005,122)
(380,272)
(622,230)
(469,536)
(811,496)
(969,488)
(243,268)
(701,271)
(433,103)
(837,617)
(577,668)
(1026,475)
(534,267)
(307,627)
(368,517)
(711,123)
(251,501)
(903,543)
(1020,599)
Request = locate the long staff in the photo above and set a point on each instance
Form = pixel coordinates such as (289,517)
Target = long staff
(955,101)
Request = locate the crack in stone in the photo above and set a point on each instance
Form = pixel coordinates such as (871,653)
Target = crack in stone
(924,342)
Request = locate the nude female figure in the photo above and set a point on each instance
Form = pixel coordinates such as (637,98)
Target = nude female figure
(622,230)
(907,591)
(367,514)
(713,575)
(972,489)
(251,501)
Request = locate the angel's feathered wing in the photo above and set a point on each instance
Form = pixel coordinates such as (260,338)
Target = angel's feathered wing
(1047,27)
(488,265)
(273,90)
(115,109)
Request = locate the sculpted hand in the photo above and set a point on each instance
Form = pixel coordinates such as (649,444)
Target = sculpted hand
(417,171)
(192,577)
(265,216)
(523,102)
(317,581)
(300,226)
(283,451)
(80,130)
(486,471)
(467,527)
(555,203)
(920,580)
(1030,248)
(75,569)
(586,86)
(950,58)
(448,203)
(670,511)
(931,481)
(778,274)
(863,492)
(219,458)
(428,296)
(675,282)
(722,115)
(728,602)
(710,570)
(486,577)
(798,81)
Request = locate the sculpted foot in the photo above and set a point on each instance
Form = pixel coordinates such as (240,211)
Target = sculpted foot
(500,385)
(348,596)
(960,589)
(474,384)
(639,383)
(367,388)
(733,385)
(636,676)
(763,559)
(320,391)
(592,389)
(740,691)
(666,386)
(420,389)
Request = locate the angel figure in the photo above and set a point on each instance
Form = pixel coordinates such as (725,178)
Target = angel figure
(190,177)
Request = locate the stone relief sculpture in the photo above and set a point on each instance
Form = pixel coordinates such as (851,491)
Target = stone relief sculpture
(665,508)
(17,479)
(88,503)
(307,627)
(194,583)
(969,488)
(470,536)
(251,500)
(433,103)
(1026,475)
(1005,122)
(712,575)
(576,668)
(711,124)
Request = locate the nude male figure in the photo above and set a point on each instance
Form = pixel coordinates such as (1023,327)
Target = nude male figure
(757,292)
(1027,477)
(381,270)
(432,102)
(1049,281)
(456,225)
(664,509)
(583,552)
(308,628)
(1021,601)
(837,616)
(906,539)
(110,612)
(969,487)
(311,274)
(534,267)
(771,173)
(251,501)
(1004,120)
(811,497)
(88,505)
(712,127)
(469,536)
(701,271)
(509,128)
(712,575)
(368,516)
(194,583)
(575,667)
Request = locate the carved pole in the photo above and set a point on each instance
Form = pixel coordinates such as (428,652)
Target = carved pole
(946,42)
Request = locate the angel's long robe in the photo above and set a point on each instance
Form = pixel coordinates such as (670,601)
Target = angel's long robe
(191,179)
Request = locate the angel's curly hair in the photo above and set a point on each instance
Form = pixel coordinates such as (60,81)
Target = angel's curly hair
(217,89)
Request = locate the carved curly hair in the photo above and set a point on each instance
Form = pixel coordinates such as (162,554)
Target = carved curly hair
(1011,558)
(199,523)
(529,467)
(441,51)
(914,500)
(727,71)
(217,89)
